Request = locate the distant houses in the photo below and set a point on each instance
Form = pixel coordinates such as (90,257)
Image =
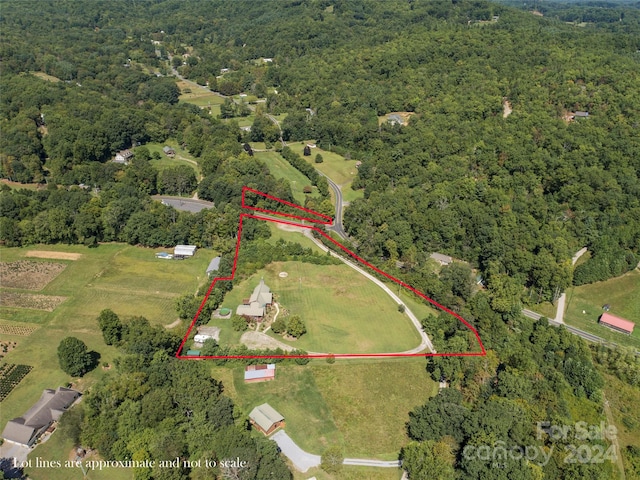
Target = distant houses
(255,305)
(266,419)
(123,156)
(617,323)
(259,373)
(26,430)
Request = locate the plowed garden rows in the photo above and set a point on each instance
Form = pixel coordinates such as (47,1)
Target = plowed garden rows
(32,301)
(28,275)
(21,330)
(10,376)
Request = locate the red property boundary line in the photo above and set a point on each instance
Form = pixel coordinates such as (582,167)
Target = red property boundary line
(347,251)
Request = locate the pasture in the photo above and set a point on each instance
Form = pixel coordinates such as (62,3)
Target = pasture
(351,403)
(127,279)
(343,311)
(280,168)
(621,293)
(182,157)
(334,166)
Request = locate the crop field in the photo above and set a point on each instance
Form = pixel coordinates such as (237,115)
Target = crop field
(621,293)
(31,301)
(10,376)
(29,275)
(16,329)
(127,279)
(348,403)
(280,168)
(343,311)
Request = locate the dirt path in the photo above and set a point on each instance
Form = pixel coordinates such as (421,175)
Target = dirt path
(174,324)
(614,440)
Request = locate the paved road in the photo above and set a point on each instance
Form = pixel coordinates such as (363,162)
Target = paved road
(372,463)
(337,219)
(563,298)
(184,204)
(426,341)
(576,331)
(302,461)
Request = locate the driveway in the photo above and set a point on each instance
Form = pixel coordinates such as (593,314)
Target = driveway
(10,455)
(184,204)
(301,460)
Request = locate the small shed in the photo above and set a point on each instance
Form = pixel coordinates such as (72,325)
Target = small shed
(259,373)
(183,251)
(214,266)
(266,419)
(581,114)
(168,151)
(617,323)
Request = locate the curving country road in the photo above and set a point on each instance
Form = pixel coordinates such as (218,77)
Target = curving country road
(426,341)
(337,219)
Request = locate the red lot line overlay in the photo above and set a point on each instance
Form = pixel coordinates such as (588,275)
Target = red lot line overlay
(179,355)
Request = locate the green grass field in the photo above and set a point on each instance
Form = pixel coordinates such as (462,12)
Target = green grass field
(344,312)
(350,403)
(335,166)
(622,293)
(182,157)
(127,279)
(280,168)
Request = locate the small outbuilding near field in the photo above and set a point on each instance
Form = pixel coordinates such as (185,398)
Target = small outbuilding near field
(265,418)
(183,251)
(259,373)
(617,323)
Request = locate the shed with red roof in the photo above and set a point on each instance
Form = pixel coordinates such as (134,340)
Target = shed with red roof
(617,323)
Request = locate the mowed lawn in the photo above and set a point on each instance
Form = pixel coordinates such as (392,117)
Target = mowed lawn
(361,405)
(343,311)
(280,168)
(182,157)
(127,279)
(621,293)
(336,167)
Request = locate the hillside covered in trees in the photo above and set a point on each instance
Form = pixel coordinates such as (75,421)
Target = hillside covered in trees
(522,145)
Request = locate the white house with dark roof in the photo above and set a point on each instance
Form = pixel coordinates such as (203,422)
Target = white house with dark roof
(26,429)
(123,156)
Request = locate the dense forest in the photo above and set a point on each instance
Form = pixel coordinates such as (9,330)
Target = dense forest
(522,146)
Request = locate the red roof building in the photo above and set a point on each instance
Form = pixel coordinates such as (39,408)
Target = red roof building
(259,373)
(617,323)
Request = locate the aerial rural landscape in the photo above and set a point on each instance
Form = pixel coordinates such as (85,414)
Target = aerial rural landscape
(319,239)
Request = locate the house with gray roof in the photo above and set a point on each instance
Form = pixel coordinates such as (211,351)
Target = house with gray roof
(256,304)
(266,419)
(26,429)
(441,258)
